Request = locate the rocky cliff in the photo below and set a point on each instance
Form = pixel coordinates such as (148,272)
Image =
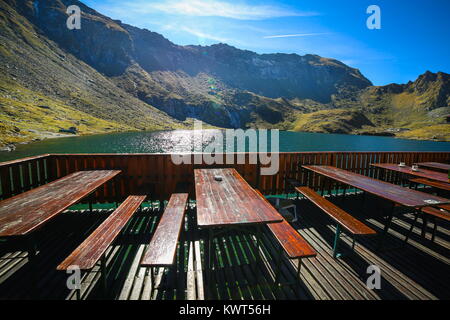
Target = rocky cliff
(111,76)
(417,109)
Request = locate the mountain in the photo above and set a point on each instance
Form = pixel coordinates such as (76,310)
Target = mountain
(44,88)
(416,109)
(110,76)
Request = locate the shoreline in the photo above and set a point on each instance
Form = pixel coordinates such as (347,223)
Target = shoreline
(46,135)
(41,136)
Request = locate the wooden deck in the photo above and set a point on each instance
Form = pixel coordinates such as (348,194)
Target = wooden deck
(417,271)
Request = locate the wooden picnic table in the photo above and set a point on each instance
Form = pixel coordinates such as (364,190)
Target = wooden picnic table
(230,203)
(423,173)
(388,191)
(28,211)
(25,213)
(435,165)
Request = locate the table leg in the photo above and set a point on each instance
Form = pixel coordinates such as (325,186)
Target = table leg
(363,200)
(387,224)
(103,274)
(278,268)
(32,265)
(417,213)
(424,225)
(336,241)
(209,262)
(258,248)
(434,229)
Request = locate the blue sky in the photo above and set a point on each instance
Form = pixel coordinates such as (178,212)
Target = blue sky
(414,35)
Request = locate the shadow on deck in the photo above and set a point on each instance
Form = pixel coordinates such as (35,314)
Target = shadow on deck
(417,270)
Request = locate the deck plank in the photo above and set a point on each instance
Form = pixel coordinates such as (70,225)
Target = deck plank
(403,275)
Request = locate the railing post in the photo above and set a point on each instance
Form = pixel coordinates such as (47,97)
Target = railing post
(52,168)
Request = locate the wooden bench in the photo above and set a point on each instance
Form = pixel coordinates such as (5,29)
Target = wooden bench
(431,183)
(161,251)
(293,244)
(94,247)
(342,218)
(441,212)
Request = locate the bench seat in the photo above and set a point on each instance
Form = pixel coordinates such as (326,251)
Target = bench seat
(291,241)
(293,244)
(162,248)
(342,218)
(442,212)
(432,183)
(347,221)
(93,248)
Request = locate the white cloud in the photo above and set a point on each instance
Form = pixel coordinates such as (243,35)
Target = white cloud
(217,8)
(201,34)
(195,31)
(294,35)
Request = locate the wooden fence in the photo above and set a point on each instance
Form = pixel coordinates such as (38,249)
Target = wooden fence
(157,175)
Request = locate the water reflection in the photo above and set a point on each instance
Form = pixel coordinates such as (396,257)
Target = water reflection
(182,141)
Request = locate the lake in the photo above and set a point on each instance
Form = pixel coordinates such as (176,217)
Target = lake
(179,141)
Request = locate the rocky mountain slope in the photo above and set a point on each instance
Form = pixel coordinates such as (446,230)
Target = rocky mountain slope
(111,76)
(417,109)
(44,88)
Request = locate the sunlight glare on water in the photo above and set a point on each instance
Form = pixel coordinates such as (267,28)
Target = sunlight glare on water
(179,141)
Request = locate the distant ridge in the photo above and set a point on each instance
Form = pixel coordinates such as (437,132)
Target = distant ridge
(110,76)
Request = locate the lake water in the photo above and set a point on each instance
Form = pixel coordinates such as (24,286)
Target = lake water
(180,140)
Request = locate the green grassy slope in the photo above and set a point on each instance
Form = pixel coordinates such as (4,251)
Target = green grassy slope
(45,88)
(331,121)
(37,72)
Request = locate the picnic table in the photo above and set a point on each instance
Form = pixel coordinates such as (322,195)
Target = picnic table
(28,211)
(230,203)
(435,165)
(388,191)
(25,213)
(423,173)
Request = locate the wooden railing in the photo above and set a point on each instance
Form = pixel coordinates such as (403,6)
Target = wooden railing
(157,176)
(24,174)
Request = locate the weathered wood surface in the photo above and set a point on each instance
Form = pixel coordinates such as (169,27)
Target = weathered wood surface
(163,244)
(289,239)
(231,201)
(347,221)
(23,160)
(432,183)
(423,173)
(21,175)
(388,191)
(435,165)
(322,277)
(93,248)
(437,212)
(28,211)
(158,176)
